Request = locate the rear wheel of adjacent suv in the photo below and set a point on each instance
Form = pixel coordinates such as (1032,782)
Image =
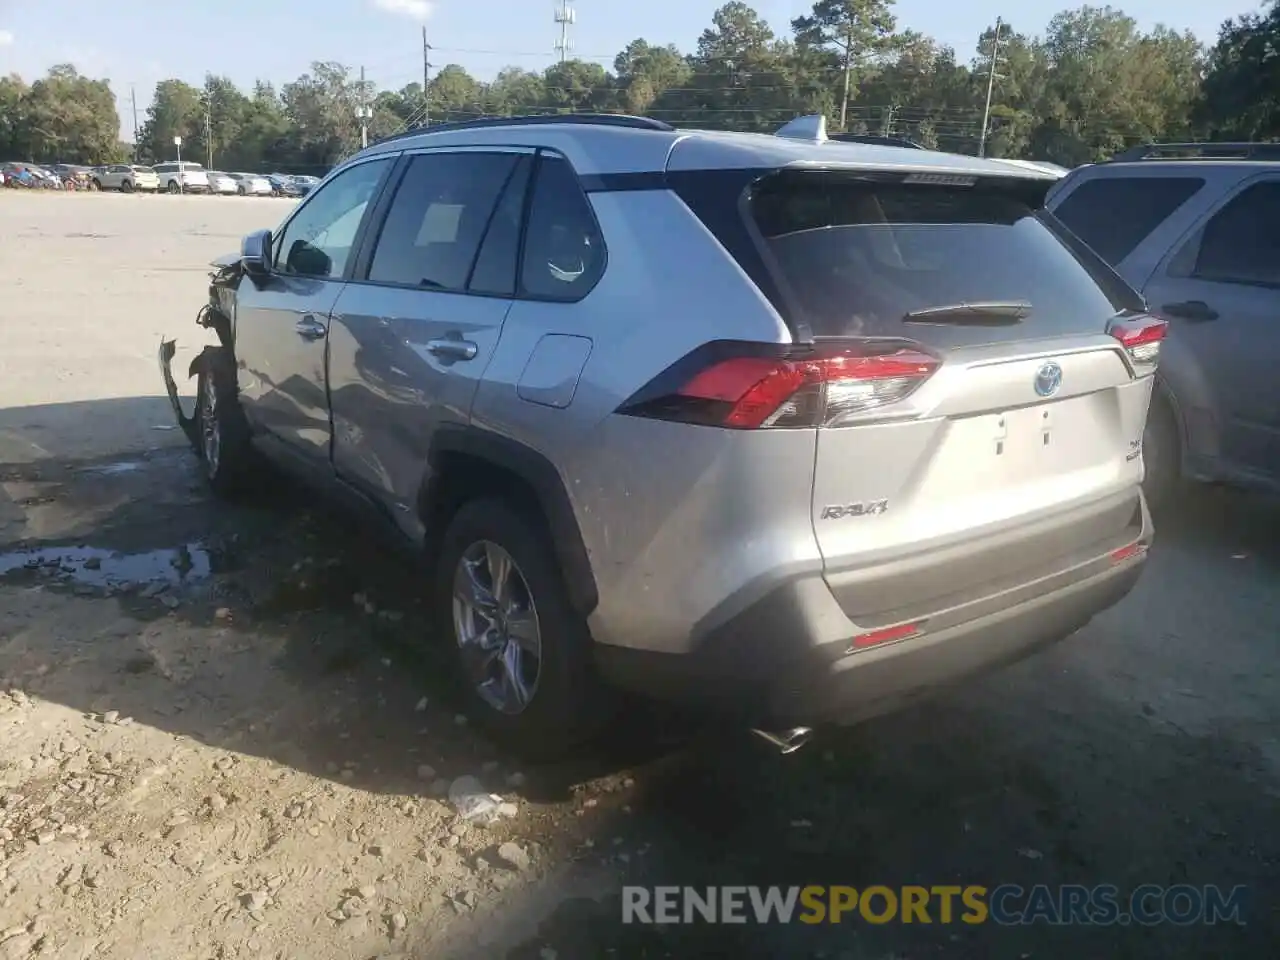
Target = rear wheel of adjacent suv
(1161,453)
(221,428)
(126,186)
(522,651)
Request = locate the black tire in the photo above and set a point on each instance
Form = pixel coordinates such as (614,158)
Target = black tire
(241,190)
(173,187)
(126,186)
(568,706)
(95,185)
(1161,454)
(222,432)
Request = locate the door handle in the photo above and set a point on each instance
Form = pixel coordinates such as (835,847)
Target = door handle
(1197,311)
(309,328)
(452,348)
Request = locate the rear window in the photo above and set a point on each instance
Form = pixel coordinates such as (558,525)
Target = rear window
(857,257)
(1115,214)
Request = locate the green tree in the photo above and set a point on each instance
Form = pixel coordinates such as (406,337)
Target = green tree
(71,119)
(321,109)
(576,86)
(176,111)
(1241,92)
(13,122)
(455,95)
(644,73)
(855,29)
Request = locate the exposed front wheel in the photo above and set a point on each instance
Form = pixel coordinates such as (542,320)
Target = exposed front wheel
(221,428)
(126,187)
(173,187)
(522,651)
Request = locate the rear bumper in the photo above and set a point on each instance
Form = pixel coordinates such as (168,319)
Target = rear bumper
(786,660)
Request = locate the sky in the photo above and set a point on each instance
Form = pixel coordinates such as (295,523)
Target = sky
(136,44)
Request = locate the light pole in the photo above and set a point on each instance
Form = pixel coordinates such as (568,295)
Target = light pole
(177,142)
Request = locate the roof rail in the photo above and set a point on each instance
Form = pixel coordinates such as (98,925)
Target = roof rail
(878,141)
(812,128)
(1201,151)
(581,119)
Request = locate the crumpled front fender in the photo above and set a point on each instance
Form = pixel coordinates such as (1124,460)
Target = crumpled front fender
(188,423)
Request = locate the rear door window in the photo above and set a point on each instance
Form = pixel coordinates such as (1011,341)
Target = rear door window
(858,257)
(438,218)
(1115,214)
(1241,244)
(564,252)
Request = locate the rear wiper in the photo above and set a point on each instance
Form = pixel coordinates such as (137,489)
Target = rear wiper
(985,313)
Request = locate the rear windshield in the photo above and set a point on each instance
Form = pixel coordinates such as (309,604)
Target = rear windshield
(857,256)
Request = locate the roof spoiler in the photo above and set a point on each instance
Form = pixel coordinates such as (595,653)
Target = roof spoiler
(812,128)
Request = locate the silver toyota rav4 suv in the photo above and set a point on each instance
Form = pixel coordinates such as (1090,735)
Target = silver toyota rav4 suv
(780,425)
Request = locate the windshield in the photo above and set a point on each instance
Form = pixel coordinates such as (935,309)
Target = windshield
(861,257)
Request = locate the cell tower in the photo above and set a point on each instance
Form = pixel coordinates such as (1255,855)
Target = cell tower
(566,16)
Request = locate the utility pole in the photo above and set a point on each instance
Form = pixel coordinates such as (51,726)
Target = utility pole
(426,79)
(566,16)
(364,113)
(133,99)
(991,85)
(208,128)
(848,70)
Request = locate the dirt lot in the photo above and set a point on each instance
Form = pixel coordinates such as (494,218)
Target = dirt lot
(224,733)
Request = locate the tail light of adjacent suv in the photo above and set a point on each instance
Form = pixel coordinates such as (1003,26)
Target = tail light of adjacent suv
(1141,338)
(748,386)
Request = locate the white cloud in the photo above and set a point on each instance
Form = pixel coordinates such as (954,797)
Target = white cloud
(417,9)
(6,38)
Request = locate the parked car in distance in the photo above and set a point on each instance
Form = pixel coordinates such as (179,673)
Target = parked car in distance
(282,185)
(251,184)
(1194,227)
(80,177)
(221,183)
(186,177)
(128,178)
(17,174)
(877,429)
(305,184)
(45,177)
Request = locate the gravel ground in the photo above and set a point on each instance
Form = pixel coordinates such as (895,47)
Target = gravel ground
(222,733)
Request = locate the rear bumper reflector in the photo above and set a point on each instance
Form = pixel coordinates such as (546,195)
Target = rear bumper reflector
(1128,553)
(885,635)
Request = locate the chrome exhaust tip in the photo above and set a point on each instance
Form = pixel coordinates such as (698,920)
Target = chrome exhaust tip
(786,741)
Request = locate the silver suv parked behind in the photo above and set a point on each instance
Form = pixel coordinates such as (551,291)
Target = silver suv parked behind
(796,427)
(1196,228)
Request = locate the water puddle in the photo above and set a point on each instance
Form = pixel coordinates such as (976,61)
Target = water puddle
(95,567)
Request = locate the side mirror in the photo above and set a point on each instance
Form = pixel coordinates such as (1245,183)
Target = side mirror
(255,253)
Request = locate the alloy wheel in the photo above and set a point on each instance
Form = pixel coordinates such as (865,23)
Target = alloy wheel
(496,626)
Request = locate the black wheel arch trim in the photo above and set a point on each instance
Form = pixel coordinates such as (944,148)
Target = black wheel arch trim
(548,487)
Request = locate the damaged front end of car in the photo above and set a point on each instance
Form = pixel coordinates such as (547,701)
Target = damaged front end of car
(217,315)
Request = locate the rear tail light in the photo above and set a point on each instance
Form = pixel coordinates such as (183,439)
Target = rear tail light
(748,386)
(1141,338)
